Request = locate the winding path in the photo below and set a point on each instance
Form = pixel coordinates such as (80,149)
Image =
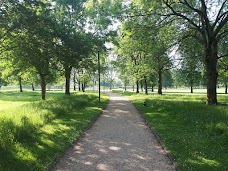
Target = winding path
(118,141)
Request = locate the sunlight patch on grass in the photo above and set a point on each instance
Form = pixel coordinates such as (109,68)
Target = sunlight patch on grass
(204,161)
(24,154)
(35,134)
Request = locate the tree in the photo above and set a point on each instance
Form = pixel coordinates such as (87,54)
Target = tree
(208,30)
(73,43)
(33,37)
(191,64)
(31,77)
(12,68)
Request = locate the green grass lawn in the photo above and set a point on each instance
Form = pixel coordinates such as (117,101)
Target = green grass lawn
(196,135)
(34,133)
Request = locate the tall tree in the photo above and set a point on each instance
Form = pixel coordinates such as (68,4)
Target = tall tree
(209,25)
(33,39)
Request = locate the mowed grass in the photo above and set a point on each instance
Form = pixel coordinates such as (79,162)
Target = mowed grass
(34,134)
(196,135)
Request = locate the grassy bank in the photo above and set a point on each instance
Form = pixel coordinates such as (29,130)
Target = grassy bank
(34,133)
(195,134)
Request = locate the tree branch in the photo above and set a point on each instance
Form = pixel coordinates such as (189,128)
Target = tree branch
(221,24)
(205,18)
(181,15)
(220,16)
(222,56)
(191,7)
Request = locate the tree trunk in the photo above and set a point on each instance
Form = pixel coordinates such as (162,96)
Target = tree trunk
(212,74)
(74,80)
(137,86)
(191,85)
(159,82)
(43,87)
(67,77)
(191,89)
(83,88)
(141,84)
(133,87)
(145,82)
(152,88)
(20,83)
(79,86)
(226,86)
(110,86)
(95,84)
(33,89)
(79,83)
(125,87)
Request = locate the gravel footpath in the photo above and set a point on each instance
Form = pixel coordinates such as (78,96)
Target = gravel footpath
(118,141)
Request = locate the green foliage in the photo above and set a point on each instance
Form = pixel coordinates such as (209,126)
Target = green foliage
(195,135)
(144,47)
(34,134)
(102,14)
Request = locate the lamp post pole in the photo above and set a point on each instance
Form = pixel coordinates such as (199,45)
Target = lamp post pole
(99,75)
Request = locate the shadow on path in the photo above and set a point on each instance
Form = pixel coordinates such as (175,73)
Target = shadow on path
(118,141)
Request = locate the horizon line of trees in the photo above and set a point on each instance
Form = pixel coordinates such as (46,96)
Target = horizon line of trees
(191,37)
(43,40)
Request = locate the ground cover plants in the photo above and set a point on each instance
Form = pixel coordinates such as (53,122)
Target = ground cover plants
(194,134)
(34,133)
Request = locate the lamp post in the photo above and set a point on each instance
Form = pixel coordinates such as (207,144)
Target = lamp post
(99,75)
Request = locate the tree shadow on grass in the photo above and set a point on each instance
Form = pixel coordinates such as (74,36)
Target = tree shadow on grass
(27,96)
(36,147)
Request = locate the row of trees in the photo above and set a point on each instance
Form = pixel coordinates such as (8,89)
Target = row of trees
(40,41)
(195,30)
(42,37)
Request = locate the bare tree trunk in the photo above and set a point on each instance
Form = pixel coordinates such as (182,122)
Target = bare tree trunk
(74,80)
(137,86)
(67,77)
(79,86)
(79,82)
(159,82)
(212,74)
(152,88)
(146,90)
(191,89)
(226,86)
(110,86)
(20,83)
(43,87)
(83,88)
(74,87)
(191,85)
(33,89)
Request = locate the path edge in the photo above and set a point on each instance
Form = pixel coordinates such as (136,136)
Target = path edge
(154,132)
(52,165)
